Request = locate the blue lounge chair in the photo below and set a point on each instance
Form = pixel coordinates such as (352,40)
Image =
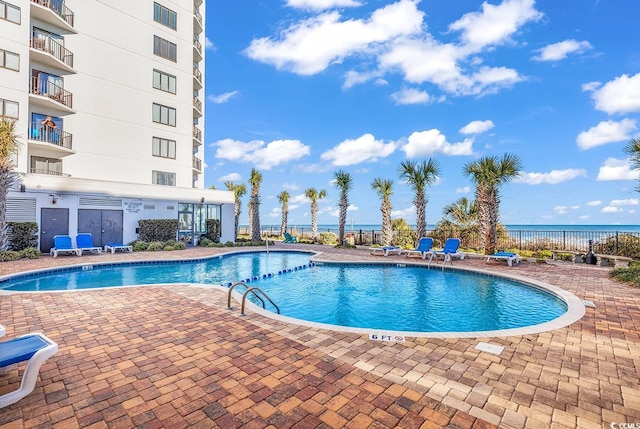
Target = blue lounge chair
(424,246)
(112,247)
(84,240)
(385,250)
(34,349)
(63,244)
(510,257)
(449,251)
(288,238)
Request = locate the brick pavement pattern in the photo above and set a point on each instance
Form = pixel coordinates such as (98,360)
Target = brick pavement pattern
(173,356)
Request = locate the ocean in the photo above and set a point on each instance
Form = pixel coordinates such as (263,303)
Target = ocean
(541,228)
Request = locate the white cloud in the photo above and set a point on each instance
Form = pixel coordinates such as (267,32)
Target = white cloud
(222,98)
(263,156)
(321,4)
(208,44)
(408,213)
(627,202)
(496,23)
(560,209)
(410,96)
(364,148)
(290,186)
(310,46)
(594,203)
(616,169)
(609,209)
(275,212)
(606,132)
(426,143)
(232,177)
(477,127)
(560,50)
(464,190)
(621,95)
(553,177)
(336,212)
(590,86)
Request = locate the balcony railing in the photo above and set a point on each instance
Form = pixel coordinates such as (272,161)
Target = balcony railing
(197,133)
(197,104)
(197,74)
(45,43)
(197,44)
(44,134)
(198,16)
(197,163)
(55,92)
(59,8)
(49,172)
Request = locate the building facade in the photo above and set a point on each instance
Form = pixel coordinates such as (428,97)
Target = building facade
(108,98)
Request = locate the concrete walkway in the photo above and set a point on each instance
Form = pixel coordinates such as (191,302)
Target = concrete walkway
(174,356)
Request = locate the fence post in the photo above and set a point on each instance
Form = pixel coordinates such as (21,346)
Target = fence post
(617,248)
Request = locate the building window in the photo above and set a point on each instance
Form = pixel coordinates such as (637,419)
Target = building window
(164,148)
(164,115)
(164,81)
(164,16)
(164,48)
(9,12)
(8,109)
(163,178)
(40,165)
(9,60)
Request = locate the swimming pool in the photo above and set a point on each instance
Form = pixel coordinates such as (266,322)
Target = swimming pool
(380,297)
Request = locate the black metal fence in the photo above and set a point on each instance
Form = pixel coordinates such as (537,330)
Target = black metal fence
(605,242)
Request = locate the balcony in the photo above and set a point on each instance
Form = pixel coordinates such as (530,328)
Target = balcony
(197,107)
(49,142)
(197,49)
(50,52)
(197,22)
(48,172)
(197,78)
(197,164)
(53,12)
(48,94)
(197,136)
(197,3)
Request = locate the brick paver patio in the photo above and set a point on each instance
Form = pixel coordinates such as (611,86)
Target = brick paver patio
(173,356)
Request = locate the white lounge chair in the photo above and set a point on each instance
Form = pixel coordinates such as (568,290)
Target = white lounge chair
(510,257)
(424,246)
(34,349)
(385,250)
(112,247)
(84,240)
(2,331)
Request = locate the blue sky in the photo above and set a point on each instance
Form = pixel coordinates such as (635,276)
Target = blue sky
(301,88)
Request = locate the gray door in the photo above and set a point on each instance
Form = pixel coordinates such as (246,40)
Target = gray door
(104,225)
(53,222)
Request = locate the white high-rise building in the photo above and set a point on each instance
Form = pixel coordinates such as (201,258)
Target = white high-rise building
(108,98)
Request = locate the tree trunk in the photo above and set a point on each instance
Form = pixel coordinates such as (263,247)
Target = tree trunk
(421,214)
(314,220)
(343,218)
(387,227)
(285,214)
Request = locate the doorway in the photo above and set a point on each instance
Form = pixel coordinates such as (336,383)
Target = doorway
(104,225)
(53,222)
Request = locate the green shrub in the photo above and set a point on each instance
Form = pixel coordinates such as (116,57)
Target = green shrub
(30,253)
(158,229)
(621,244)
(139,246)
(155,246)
(213,230)
(171,243)
(229,244)
(22,235)
(205,242)
(168,248)
(9,255)
(630,275)
(179,246)
(327,238)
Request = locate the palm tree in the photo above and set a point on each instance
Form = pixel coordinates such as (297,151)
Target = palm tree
(488,174)
(238,191)
(419,175)
(384,188)
(633,150)
(314,195)
(343,181)
(283,198)
(254,204)
(461,213)
(8,177)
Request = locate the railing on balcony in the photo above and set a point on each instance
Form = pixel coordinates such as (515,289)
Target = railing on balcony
(59,8)
(198,16)
(44,134)
(197,163)
(49,172)
(197,133)
(45,43)
(197,104)
(55,92)
(197,44)
(197,73)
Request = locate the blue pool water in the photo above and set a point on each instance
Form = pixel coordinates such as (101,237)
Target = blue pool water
(384,297)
